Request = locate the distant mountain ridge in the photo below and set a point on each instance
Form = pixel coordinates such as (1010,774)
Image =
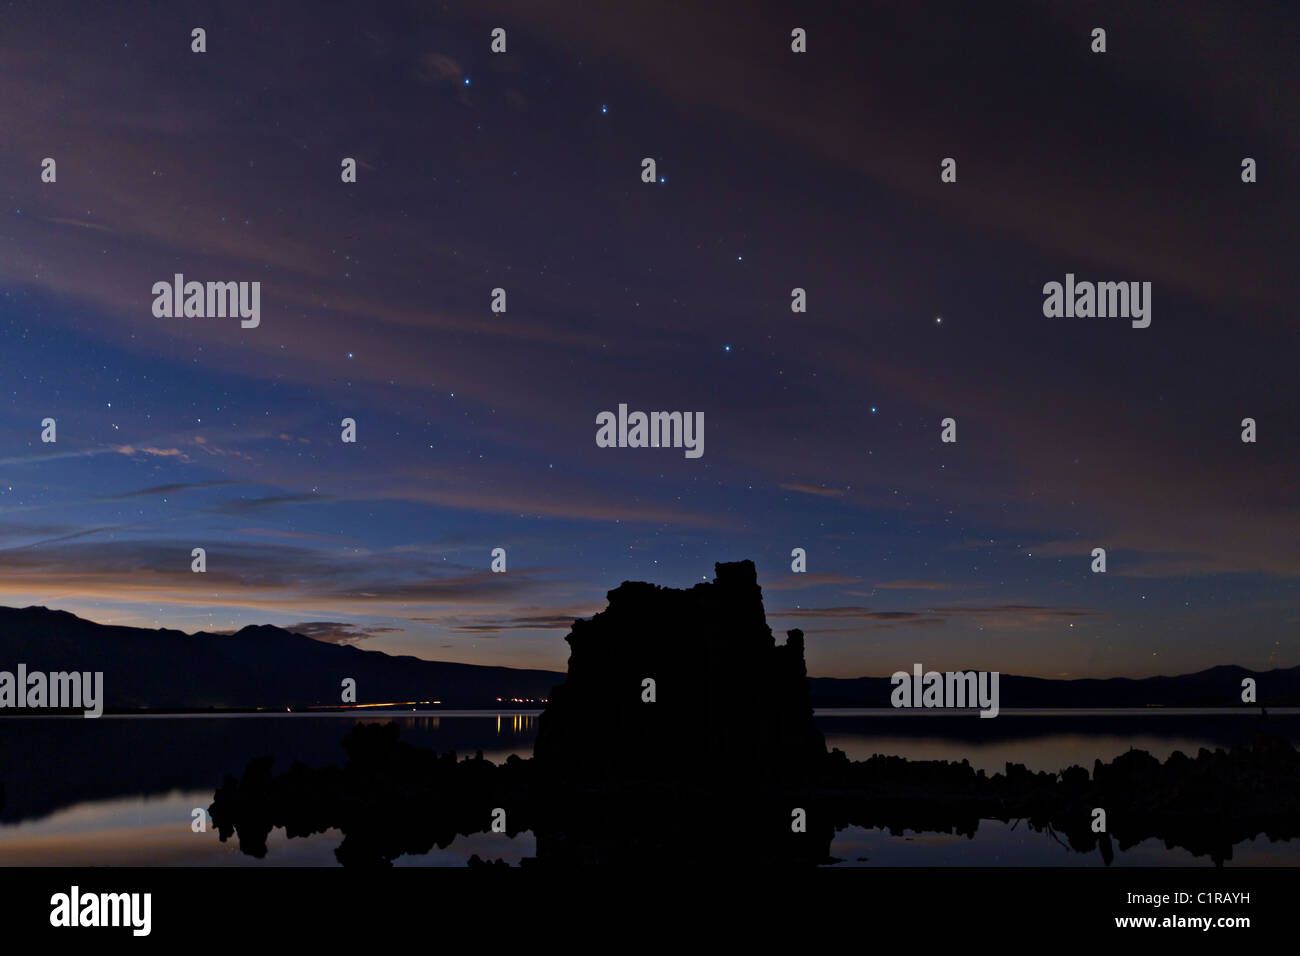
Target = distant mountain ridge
(1216,687)
(258,666)
(269,667)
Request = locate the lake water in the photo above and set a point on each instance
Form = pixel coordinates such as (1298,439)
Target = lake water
(122,790)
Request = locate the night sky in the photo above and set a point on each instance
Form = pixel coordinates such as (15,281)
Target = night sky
(777,170)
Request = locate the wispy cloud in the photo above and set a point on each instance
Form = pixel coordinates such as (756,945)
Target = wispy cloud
(820,490)
(245,506)
(169,489)
(273,578)
(808,579)
(913,585)
(997,616)
(336,632)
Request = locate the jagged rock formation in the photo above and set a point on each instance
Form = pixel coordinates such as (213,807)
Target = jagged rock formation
(729,701)
(728,743)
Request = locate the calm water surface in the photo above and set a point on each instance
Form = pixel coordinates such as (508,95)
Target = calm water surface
(121,790)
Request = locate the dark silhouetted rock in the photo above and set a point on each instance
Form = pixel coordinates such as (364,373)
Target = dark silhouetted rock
(730,703)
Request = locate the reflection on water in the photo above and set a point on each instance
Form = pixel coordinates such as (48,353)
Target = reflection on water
(1010,844)
(51,762)
(520,723)
(1045,740)
(121,790)
(1050,753)
(144,831)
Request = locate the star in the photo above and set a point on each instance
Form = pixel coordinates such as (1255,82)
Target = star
(604,108)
